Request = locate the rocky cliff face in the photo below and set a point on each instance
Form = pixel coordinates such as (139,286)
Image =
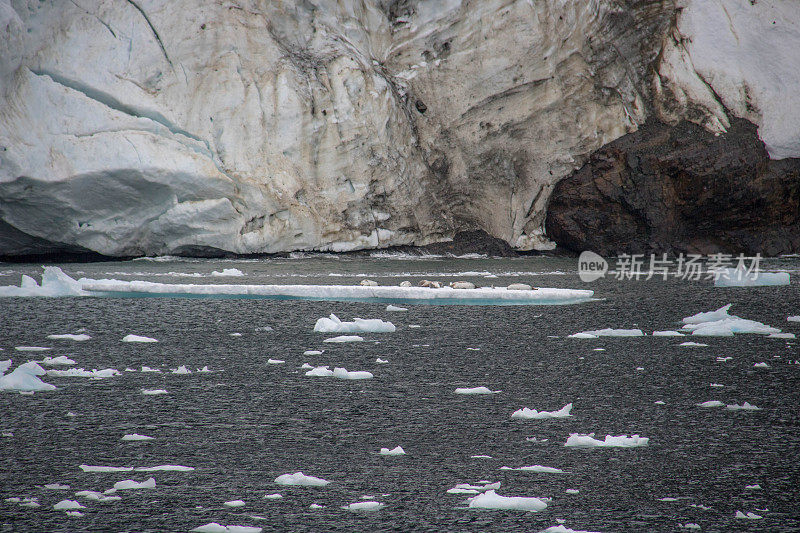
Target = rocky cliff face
(132,127)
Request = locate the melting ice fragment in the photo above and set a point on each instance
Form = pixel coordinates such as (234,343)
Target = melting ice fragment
(364,506)
(476,390)
(89,468)
(298,478)
(181,370)
(164,468)
(588,441)
(751,516)
(234,503)
(533,414)
(491,500)
(564,529)
(130,484)
(394,451)
(70,337)
(744,407)
(711,403)
(81,373)
(213,527)
(54,283)
(345,338)
(25,378)
(395,308)
(64,505)
(153,392)
(137,338)
(608,332)
(275,361)
(135,437)
(359,325)
(535,468)
(667,333)
(60,360)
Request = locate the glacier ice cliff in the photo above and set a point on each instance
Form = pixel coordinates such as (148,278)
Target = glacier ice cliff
(132,127)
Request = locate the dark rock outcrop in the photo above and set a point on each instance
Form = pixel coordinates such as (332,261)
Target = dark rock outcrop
(680,189)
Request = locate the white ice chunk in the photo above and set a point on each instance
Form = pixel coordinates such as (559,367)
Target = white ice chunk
(480,456)
(135,437)
(476,390)
(316,506)
(731,277)
(345,338)
(88,468)
(204,369)
(359,325)
(70,337)
(137,338)
(313,352)
(782,336)
(298,478)
(164,468)
(5,365)
(761,365)
(394,451)
(572,491)
(711,403)
(381,361)
(235,334)
(753,487)
(709,316)
(148,369)
(181,370)
(610,332)
(81,373)
(533,414)
(320,372)
(54,283)
(561,528)
(751,516)
(25,378)
(726,327)
(274,496)
(60,360)
(519,287)
(234,503)
(275,361)
(97,496)
(343,373)
(130,484)
(691,343)
(744,407)
(228,272)
(582,336)
(64,505)
(31,348)
(213,527)
(491,500)
(690,525)
(535,468)
(391,307)
(153,392)
(588,441)
(364,506)
(667,333)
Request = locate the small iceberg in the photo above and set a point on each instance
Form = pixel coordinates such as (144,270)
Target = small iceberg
(130,484)
(137,338)
(25,378)
(97,496)
(608,332)
(394,451)
(579,440)
(313,352)
(381,361)
(364,506)
(761,365)
(298,478)
(164,468)
(535,468)
(228,272)
(213,527)
(476,390)
(81,373)
(54,361)
(751,516)
(711,403)
(341,373)
(274,496)
(491,500)
(70,337)
(54,283)
(65,505)
(181,370)
(564,529)
(533,414)
(739,277)
(667,333)
(234,503)
(56,486)
(744,407)
(391,307)
(275,361)
(135,437)
(153,392)
(148,369)
(794,318)
(345,338)
(359,325)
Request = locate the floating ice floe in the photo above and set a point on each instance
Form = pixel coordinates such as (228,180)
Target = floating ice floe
(690,525)
(25,378)
(228,272)
(181,370)
(572,491)
(316,506)
(533,414)
(298,478)
(691,343)
(761,365)
(667,333)
(54,361)
(204,369)
(345,338)
(275,361)
(381,361)
(70,337)
(32,348)
(751,516)
(130,484)
(608,332)
(782,336)
(148,369)
(97,496)
(561,528)
(234,503)
(717,385)
(466,488)
(579,440)
(535,468)
(213,527)
(364,506)
(753,487)
(338,372)
(711,403)
(723,359)
(65,505)
(54,283)
(476,390)
(81,373)
(153,392)
(491,500)
(391,307)
(358,325)
(56,486)
(720,323)
(135,437)
(739,277)
(164,468)
(480,456)
(660,402)
(275,496)
(313,352)
(394,451)
(105,469)
(137,338)
(744,407)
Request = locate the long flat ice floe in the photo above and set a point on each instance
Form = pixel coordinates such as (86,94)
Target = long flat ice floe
(299,478)
(338,372)
(607,332)
(345,338)
(561,528)
(476,390)
(106,469)
(70,337)
(358,325)
(535,468)
(579,440)
(56,283)
(491,500)
(60,360)
(720,323)
(81,373)
(164,468)
(731,277)
(214,527)
(137,338)
(364,506)
(533,414)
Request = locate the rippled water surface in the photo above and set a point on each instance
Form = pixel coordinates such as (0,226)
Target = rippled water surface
(248,421)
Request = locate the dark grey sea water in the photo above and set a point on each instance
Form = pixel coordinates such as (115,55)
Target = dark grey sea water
(248,422)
